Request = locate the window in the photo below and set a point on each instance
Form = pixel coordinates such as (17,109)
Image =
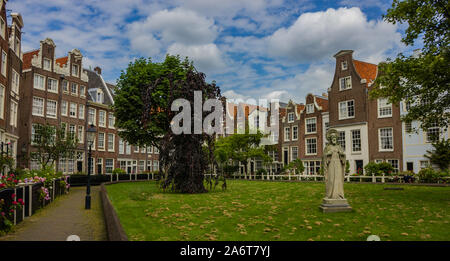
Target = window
(141,166)
(310,125)
(128,149)
(52,85)
(327,126)
(2,28)
(111,120)
(345,83)
(155,165)
(102,118)
(385,139)
(81,111)
(64,108)
(65,86)
(38,106)
(344,65)
(91,116)
(394,164)
(408,127)
(35,137)
(310,108)
(4,62)
(73,110)
(294,132)
(384,108)
(101,141)
(39,82)
(291,117)
(149,165)
(121,146)
(341,139)
(74,70)
(155,150)
(80,134)
(15,81)
(346,110)
(72,131)
(47,64)
(378,161)
(52,108)
(74,88)
(287,133)
(82,91)
(100,96)
(110,142)
(356,140)
(136,149)
(109,166)
(64,128)
(2,100)
(432,133)
(312,167)
(311,146)
(424,164)
(17,46)
(150,149)
(142,149)
(294,153)
(13,116)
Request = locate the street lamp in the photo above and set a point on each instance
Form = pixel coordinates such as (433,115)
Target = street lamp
(91,131)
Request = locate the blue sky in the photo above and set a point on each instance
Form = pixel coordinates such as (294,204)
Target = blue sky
(252,48)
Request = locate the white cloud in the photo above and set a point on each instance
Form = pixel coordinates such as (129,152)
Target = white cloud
(318,35)
(207,57)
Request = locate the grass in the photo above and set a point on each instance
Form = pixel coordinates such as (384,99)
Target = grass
(269,211)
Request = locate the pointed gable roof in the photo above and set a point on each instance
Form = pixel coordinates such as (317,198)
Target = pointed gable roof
(62,61)
(27,57)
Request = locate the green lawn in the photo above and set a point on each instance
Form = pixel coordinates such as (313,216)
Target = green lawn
(252,210)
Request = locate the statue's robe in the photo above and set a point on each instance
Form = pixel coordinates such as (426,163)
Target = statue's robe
(334,163)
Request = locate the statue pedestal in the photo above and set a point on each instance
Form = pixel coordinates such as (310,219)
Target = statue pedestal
(335,205)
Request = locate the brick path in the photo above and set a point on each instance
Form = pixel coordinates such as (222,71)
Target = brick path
(64,217)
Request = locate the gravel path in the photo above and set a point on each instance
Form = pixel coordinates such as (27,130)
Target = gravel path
(64,217)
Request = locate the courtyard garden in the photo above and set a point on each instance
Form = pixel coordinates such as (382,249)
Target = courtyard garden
(258,210)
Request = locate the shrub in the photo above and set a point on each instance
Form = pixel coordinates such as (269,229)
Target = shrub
(118,171)
(429,175)
(378,169)
(261,172)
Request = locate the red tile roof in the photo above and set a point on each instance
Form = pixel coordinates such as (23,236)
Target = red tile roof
(27,57)
(300,108)
(62,61)
(367,71)
(322,103)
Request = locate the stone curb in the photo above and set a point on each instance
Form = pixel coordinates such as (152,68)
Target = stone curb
(114,229)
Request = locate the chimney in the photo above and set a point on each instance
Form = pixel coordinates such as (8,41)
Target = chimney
(324,94)
(98,70)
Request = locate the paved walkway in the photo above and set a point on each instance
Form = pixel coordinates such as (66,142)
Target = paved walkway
(64,217)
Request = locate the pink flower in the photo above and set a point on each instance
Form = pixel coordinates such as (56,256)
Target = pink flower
(2,185)
(13,195)
(20,200)
(9,179)
(12,210)
(3,213)
(12,175)
(14,202)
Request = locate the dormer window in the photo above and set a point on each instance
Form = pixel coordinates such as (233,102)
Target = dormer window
(291,117)
(310,108)
(74,69)
(344,65)
(47,64)
(100,96)
(97,95)
(17,46)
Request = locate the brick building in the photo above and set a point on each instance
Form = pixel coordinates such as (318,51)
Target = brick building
(10,79)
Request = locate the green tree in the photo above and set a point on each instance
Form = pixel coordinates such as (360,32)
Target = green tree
(51,144)
(144,96)
(297,165)
(440,155)
(422,81)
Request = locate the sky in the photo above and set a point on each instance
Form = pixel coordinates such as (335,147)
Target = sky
(268,49)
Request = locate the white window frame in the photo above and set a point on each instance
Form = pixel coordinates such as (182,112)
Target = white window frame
(306,125)
(70,110)
(292,153)
(294,137)
(4,63)
(344,65)
(33,106)
(287,133)
(309,108)
(65,85)
(64,111)
(81,111)
(94,120)
(82,91)
(14,112)
(353,141)
(391,161)
(289,117)
(111,148)
(52,115)
(427,136)
(306,146)
(100,122)
(384,105)
(344,117)
(49,68)
(113,121)
(2,101)
(77,70)
(347,83)
(42,80)
(101,141)
(380,145)
(15,82)
(80,138)
(3,28)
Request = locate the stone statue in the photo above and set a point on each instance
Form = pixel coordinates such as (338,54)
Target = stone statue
(333,164)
